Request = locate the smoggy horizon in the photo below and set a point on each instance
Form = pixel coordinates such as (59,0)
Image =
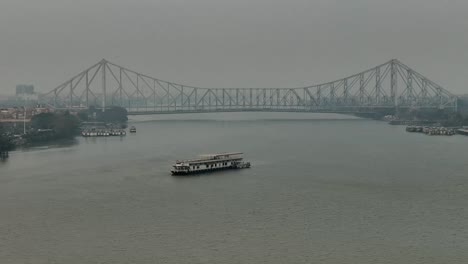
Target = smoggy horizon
(243,43)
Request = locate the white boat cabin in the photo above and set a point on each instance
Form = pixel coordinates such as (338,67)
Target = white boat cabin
(208,162)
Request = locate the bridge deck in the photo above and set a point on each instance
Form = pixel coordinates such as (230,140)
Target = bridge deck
(159,112)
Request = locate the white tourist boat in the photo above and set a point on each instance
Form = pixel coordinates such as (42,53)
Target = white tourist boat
(211,162)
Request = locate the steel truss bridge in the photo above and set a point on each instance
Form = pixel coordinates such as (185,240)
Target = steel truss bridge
(391,85)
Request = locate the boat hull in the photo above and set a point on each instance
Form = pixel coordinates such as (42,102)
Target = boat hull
(182,173)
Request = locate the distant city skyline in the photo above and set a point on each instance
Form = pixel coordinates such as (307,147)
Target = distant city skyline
(224,43)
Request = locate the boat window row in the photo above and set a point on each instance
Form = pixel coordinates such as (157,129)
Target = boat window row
(212,165)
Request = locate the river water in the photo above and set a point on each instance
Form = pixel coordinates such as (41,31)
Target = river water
(322,189)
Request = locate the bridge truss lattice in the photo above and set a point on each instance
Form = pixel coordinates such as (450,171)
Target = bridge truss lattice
(389,85)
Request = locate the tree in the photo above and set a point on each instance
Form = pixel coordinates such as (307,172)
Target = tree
(83,115)
(66,125)
(43,121)
(63,124)
(113,114)
(6,143)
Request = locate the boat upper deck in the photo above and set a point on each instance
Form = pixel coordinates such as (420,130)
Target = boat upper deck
(213,158)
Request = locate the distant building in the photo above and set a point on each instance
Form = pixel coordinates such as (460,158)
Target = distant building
(6,113)
(17,113)
(24,89)
(40,110)
(26,92)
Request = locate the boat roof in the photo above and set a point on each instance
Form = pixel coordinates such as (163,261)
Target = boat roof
(203,161)
(221,154)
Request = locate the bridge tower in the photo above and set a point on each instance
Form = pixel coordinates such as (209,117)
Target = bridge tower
(104,95)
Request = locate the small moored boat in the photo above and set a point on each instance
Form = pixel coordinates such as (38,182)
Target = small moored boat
(463,131)
(212,162)
(132,129)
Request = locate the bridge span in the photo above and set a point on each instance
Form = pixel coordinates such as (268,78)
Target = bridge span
(391,85)
(270,110)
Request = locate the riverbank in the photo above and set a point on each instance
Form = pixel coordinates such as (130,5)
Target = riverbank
(45,128)
(418,117)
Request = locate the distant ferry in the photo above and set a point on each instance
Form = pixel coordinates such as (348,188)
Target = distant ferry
(132,129)
(210,162)
(93,132)
(463,131)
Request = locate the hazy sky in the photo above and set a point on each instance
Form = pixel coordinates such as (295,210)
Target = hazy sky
(232,43)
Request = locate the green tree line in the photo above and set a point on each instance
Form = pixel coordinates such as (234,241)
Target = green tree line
(113,114)
(6,142)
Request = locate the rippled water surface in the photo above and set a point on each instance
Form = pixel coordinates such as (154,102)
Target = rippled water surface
(322,189)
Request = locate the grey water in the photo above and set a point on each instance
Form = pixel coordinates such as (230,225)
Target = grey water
(322,189)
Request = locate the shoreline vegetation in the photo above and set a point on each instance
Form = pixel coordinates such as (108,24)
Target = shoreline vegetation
(62,125)
(427,117)
(59,125)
